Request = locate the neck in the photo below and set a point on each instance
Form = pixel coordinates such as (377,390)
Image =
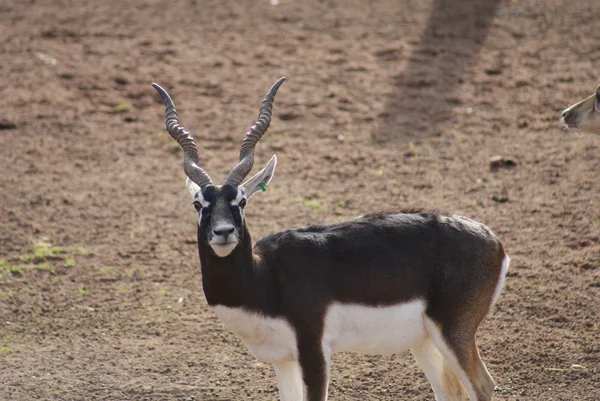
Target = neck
(231,280)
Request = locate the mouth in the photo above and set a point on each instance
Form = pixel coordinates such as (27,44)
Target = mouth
(223,243)
(223,248)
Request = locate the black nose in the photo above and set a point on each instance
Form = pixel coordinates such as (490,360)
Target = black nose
(224,231)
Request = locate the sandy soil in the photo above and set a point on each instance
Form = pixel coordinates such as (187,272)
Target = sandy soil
(387,104)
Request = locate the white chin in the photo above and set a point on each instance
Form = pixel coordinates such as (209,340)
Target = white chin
(223,250)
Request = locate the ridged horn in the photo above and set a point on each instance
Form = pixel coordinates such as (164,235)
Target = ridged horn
(241,170)
(191,163)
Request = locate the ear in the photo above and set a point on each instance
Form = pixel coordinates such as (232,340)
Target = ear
(192,187)
(261,180)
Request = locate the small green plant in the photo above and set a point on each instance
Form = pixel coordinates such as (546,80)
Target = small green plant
(69,261)
(122,107)
(26,258)
(314,204)
(108,270)
(377,172)
(78,250)
(5,349)
(9,337)
(44,257)
(82,290)
(43,251)
(13,270)
(44,266)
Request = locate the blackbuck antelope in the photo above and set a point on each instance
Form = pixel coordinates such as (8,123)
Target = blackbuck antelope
(584,115)
(381,283)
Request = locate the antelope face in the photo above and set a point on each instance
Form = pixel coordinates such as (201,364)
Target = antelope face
(584,115)
(221,209)
(221,216)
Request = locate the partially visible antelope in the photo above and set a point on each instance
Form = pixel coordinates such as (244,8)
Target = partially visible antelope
(381,283)
(584,115)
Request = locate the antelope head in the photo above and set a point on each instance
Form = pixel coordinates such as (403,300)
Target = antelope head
(221,207)
(584,115)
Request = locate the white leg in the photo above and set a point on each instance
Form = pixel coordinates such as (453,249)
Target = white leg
(445,384)
(450,357)
(327,356)
(289,380)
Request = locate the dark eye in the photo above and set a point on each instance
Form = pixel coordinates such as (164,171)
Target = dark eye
(197,205)
(242,203)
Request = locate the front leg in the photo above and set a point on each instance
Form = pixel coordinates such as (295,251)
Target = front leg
(314,363)
(289,380)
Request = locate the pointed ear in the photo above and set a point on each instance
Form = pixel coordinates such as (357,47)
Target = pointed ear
(261,180)
(192,187)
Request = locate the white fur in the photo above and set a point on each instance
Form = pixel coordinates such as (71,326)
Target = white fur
(348,327)
(380,330)
(222,250)
(238,197)
(430,359)
(196,195)
(365,329)
(289,379)
(192,188)
(503,270)
(200,198)
(264,177)
(268,339)
(436,336)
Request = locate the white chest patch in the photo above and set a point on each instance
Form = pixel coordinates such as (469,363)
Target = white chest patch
(374,330)
(268,339)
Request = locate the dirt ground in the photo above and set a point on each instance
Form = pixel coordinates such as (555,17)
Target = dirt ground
(388,104)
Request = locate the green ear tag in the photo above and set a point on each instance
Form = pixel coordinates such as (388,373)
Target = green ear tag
(262,187)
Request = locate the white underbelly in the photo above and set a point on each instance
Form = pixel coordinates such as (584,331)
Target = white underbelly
(348,327)
(374,330)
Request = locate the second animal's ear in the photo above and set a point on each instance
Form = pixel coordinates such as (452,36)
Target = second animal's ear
(260,180)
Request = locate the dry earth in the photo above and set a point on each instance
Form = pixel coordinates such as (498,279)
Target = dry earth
(388,104)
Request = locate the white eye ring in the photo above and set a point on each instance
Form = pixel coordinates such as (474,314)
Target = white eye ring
(197,205)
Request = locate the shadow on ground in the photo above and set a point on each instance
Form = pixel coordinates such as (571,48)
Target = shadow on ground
(427,90)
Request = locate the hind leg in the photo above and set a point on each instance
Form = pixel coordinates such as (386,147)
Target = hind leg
(484,383)
(444,382)
(460,352)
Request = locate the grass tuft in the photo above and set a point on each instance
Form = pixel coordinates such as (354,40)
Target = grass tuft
(122,107)
(314,204)
(13,270)
(44,256)
(69,261)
